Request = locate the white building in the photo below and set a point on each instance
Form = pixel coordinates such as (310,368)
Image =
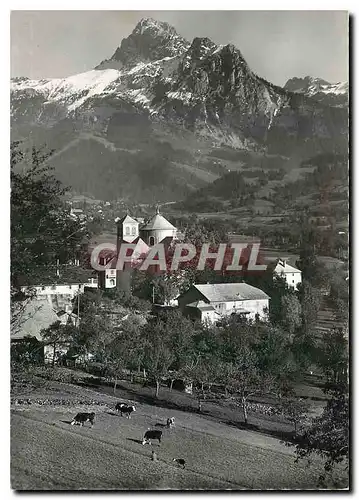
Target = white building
(291,274)
(212,301)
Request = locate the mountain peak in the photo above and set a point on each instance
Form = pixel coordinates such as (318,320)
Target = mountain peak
(151,40)
(156,27)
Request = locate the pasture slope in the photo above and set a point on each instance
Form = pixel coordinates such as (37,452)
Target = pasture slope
(47,453)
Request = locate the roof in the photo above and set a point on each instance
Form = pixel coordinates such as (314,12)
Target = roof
(200,304)
(225,292)
(38,314)
(283,267)
(157,222)
(47,275)
(127,219)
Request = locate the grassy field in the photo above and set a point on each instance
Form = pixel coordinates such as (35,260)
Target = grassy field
(47,453)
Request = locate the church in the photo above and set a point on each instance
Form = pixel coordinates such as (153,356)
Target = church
(157,229)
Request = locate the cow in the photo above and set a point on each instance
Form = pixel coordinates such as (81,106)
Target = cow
(152,434)
(120,405)
(170,422)
(127,410)
(180,461)
(81,418)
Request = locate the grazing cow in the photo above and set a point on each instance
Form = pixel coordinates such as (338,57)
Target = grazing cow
(154,434)
(81,418)
(119,406)
(127,410)
(180,461)
(170,422)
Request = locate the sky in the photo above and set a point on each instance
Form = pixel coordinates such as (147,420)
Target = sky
(277,45)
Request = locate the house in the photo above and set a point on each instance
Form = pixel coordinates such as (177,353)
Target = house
(212,301)
(49,303)
(291,274)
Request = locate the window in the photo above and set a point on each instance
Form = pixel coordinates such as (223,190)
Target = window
(112,282)
(292,281)
(127,230)
(151,240)
(133,230)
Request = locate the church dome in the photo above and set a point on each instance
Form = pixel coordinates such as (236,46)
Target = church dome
(157,222)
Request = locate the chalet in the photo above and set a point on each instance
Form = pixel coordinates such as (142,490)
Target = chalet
(291,274)
(212,301)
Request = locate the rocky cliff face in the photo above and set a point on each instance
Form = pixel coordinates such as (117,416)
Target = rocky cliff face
(150,41)
(158,87)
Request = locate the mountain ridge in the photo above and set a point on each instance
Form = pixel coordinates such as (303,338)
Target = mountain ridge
(159,88)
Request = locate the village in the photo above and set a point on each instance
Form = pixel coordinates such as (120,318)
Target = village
(59,301)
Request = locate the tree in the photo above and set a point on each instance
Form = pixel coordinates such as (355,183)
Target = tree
(41,228)
(204,371)
(165,289)
(158,353)
(275,358)
(132,343)
(310,302)
(339,295)
(277,288)
(181,333)
(58,336)
(333,356)
(294,410)
(328,435)
(245,379)
(307,262)
(291,313)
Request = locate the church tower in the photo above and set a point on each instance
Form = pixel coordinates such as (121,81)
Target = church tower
(127,229)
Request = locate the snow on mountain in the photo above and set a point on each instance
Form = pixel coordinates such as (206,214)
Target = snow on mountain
(329,93)
(335,88)
(197,86)
(72,91)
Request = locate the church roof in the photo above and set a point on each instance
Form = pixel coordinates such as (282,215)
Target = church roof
(157,222)
(127,219)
